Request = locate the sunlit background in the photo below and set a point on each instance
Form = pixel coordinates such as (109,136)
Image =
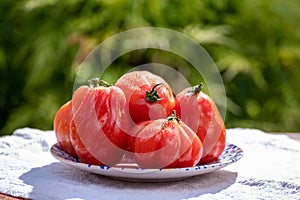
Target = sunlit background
(255,44)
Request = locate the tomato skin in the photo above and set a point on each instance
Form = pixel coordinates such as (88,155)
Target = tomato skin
(135,85)
(100,125)
(84,155)
(191,155)
(62,125)
(201,114)
(166,144)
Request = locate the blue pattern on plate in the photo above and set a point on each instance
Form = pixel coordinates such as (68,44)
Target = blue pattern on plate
(231,154)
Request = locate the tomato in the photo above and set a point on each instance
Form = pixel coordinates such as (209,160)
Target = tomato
(166,143)
(200,113)
(149,97)
(100,124)
(62,125)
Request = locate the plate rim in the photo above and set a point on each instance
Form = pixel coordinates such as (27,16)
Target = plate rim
(143,174)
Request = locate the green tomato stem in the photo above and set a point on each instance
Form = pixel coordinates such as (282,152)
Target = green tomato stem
(153,96)
(95,82)
(196,89)
(173,116)
(104,83)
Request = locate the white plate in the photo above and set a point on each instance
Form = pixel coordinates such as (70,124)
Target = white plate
(131,172)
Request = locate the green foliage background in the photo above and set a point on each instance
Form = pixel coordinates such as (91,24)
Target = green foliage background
(255,44)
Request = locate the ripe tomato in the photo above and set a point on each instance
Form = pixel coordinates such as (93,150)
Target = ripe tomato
(166,143)
(100,124)
(62,125)
(149,97)
(199,112)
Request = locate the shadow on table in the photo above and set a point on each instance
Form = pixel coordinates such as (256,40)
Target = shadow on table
(59,181)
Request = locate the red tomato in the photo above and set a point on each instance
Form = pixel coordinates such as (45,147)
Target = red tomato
(100,124)
(149,96)
(166,143)
(62,125)
(199,112)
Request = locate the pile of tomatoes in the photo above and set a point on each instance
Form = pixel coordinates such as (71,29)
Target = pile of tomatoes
(140,118)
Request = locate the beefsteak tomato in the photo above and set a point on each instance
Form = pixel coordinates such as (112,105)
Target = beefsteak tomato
(100,124)
(166,143)
(200,113)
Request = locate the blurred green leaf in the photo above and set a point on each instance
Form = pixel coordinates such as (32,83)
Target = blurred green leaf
(255,44)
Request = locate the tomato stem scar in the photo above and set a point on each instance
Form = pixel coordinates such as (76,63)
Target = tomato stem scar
(94,82)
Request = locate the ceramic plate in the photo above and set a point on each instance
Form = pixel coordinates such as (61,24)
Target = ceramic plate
(131,172)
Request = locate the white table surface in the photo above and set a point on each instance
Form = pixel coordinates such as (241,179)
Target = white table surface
(270,169)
